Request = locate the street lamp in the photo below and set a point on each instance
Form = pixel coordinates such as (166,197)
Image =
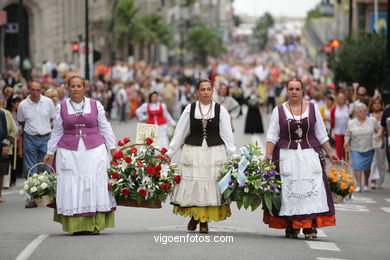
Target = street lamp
(86,41)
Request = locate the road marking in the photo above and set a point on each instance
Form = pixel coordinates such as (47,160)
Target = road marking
(10,192)
(351,207)
(386,209)
(324,258)
(359,199)
(30,248)
(387,199)
(323,245)
(321,233)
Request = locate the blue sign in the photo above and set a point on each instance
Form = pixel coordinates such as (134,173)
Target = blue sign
(11,28)
(382,22)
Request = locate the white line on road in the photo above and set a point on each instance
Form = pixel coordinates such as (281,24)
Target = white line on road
(387,199)
(322,245)
(386,209)
(324,258)
(30,248)
(10,192)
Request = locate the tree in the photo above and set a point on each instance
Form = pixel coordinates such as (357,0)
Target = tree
(261,30)
(125,20)
(152,31)
(361,59)
(204,42)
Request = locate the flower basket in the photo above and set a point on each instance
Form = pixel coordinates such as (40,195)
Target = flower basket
(337,198)
(40,187)
(141,175)
(44,200)
(340,181)
(249,181)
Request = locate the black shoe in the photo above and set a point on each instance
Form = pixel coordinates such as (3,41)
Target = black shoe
(292,232)
(310,232)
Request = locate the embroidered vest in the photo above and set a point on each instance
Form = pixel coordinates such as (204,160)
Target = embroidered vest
(211,133)
(289,133)
(84,126)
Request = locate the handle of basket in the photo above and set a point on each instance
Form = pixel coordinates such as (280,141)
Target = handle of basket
(41,163)
(341,162)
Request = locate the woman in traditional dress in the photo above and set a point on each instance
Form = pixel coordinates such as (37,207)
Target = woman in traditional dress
(205,130)
(253,121)
(156,113)
(80,138)
(295,139)
(227,101)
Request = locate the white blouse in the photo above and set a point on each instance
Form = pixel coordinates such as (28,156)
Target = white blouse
(341,117)
(142,112)
(183,128)
(361,134)
(103,125)
(274,127)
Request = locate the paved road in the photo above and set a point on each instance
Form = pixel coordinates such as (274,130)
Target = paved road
(362,231)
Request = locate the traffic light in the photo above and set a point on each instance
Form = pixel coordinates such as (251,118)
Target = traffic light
(335,44)
(75,47)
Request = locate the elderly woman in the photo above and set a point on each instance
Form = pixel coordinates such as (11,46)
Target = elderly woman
(205,130)
(80,137)
(53,95)
(295,139)
(223,97)
(358,139)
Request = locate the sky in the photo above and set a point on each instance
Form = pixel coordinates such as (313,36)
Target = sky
(290,8)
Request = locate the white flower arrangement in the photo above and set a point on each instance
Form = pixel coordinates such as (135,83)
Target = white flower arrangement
(39,185)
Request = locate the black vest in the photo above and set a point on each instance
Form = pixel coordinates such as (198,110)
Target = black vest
(211,133)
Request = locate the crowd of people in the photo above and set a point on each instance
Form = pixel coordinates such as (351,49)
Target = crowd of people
(319,115)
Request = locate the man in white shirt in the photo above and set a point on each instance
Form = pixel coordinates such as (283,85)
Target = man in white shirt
(35,113)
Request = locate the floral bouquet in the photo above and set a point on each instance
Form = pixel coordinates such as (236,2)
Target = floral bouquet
(341,184)
(40,187)
(140,175)
(254,100)
(248,180)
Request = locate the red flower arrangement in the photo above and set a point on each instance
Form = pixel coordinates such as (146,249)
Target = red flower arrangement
(142,175)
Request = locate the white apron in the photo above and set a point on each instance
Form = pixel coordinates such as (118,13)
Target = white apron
(303,190)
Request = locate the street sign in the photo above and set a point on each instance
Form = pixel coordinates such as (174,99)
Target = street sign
(11,28)
(3,18)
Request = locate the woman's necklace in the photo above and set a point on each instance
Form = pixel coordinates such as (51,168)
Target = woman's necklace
(299,131)
(79,112)
(206,116)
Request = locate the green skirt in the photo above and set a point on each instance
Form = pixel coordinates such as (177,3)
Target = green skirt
(89,223)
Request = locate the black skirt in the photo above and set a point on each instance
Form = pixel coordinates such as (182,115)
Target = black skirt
(253,121)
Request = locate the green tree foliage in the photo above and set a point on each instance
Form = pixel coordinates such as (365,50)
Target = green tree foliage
(124,16)
(204,42)
(261,30)
(361,59)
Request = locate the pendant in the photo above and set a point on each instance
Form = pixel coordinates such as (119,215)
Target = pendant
(77,114)
(204,123)
(299,131)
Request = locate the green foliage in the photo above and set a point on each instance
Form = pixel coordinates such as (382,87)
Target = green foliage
(204,42)
(261,30)
(124,16)
(361,59)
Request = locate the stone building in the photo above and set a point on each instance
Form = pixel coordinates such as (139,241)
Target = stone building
(52,26)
